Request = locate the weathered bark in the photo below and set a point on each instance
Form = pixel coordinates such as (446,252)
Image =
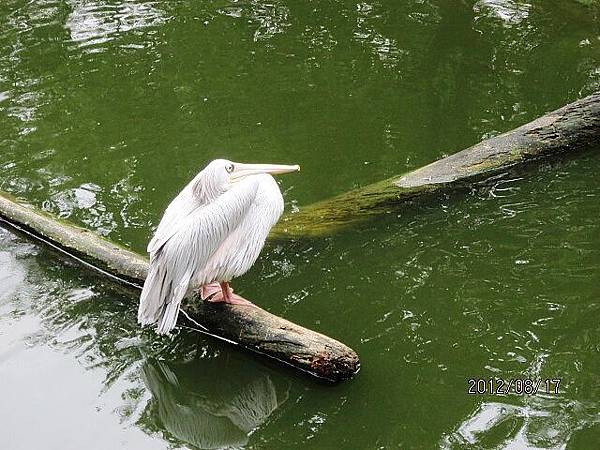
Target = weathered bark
(570,128)
(268,334)
(251,328)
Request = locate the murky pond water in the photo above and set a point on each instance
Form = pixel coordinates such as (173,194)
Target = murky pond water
(107,108)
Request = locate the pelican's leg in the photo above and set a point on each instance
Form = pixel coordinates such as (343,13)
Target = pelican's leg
(227,296)
(208,290)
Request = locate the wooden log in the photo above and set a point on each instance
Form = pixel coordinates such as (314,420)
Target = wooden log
(568,129)
(250,327)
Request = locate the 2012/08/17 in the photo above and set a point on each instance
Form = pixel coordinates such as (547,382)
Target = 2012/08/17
(519,386)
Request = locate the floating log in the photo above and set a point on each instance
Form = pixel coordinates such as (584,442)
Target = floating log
(250,327)
(568,129)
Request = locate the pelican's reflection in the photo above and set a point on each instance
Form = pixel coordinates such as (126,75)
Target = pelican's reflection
(213,403)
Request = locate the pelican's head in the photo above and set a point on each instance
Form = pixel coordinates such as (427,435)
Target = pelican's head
(224,172)
(221,174)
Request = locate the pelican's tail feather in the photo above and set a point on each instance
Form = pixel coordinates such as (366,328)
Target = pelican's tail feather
(170,312)
(150,301)
(159,302)
(168,318)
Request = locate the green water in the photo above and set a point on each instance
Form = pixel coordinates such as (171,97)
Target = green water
(108,108)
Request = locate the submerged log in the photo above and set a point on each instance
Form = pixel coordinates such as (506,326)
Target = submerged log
(250,327)
(568,129)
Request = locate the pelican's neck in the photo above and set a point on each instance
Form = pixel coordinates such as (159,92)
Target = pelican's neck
(205,189)
(268,201)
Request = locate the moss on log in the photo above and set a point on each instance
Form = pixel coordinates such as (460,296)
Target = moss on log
(249,327)
(570,128)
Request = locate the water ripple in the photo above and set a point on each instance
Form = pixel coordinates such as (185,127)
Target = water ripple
(93,23)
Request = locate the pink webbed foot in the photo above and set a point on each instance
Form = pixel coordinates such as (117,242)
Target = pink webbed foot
(209,290)
(226,295)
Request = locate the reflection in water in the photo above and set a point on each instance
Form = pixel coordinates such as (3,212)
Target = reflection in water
(509,11)
(385,48)
(269,18)
(92,23)
(544,422)
(213,402)
(57,327)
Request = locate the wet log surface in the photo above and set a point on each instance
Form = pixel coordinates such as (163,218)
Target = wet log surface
(249,327)
(571,128)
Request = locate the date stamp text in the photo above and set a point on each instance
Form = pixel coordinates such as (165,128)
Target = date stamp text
(519,386)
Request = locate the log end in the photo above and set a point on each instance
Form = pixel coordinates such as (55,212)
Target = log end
(335,367)
(258,330)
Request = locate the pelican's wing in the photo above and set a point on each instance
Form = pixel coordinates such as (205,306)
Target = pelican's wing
(183,251)
(177,212)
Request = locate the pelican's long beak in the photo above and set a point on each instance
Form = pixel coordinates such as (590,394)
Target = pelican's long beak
(244,170)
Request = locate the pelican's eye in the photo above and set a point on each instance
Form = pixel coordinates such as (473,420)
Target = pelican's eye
(229,168)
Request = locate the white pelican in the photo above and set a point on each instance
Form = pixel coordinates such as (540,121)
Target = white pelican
(211,232)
